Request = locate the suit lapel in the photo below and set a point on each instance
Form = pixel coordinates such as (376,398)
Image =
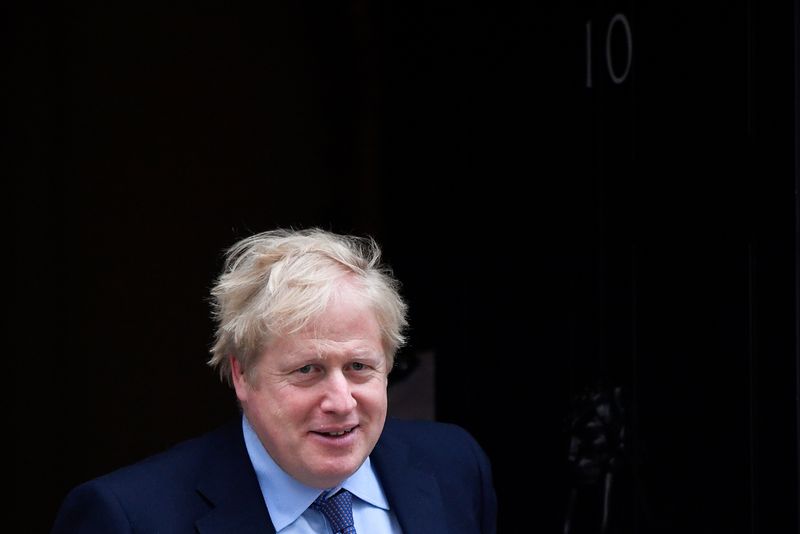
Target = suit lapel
(413,494)
(242,517)
(231,487)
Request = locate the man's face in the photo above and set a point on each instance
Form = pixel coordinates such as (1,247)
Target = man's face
(317,399)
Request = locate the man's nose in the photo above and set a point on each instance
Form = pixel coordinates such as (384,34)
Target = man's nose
(338,396)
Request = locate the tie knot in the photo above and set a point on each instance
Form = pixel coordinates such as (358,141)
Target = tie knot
(338,510)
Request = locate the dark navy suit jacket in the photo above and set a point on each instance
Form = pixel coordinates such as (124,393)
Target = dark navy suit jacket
(436,478)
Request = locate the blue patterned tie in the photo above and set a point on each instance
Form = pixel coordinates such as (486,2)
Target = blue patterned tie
(338,510)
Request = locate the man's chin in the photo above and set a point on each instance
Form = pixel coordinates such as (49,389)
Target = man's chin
(332,474)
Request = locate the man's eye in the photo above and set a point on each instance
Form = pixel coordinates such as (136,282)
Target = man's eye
(305,369)
(358,366)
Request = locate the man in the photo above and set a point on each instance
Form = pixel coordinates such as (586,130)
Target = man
(308,323)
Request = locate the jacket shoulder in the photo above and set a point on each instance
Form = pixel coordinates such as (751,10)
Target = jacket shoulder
(161,486)
(453,458)
(432,440)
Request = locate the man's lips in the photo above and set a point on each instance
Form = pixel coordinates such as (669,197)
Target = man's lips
(337,431)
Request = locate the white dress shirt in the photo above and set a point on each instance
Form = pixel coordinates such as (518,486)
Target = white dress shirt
(288,500)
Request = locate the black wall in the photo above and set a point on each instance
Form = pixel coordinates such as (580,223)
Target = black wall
(570,210)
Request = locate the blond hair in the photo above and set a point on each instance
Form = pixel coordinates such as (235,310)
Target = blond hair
(276,282)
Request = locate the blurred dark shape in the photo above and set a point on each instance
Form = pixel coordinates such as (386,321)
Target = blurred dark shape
(412,386)
(596,446)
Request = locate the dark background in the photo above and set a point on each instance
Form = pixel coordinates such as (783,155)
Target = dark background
(556,231)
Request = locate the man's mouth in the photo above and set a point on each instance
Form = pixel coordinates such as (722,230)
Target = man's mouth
(335,433)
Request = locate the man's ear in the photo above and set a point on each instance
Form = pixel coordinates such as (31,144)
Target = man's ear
(238,379)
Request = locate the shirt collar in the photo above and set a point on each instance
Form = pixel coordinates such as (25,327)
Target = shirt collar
(289,498)
(364,485)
